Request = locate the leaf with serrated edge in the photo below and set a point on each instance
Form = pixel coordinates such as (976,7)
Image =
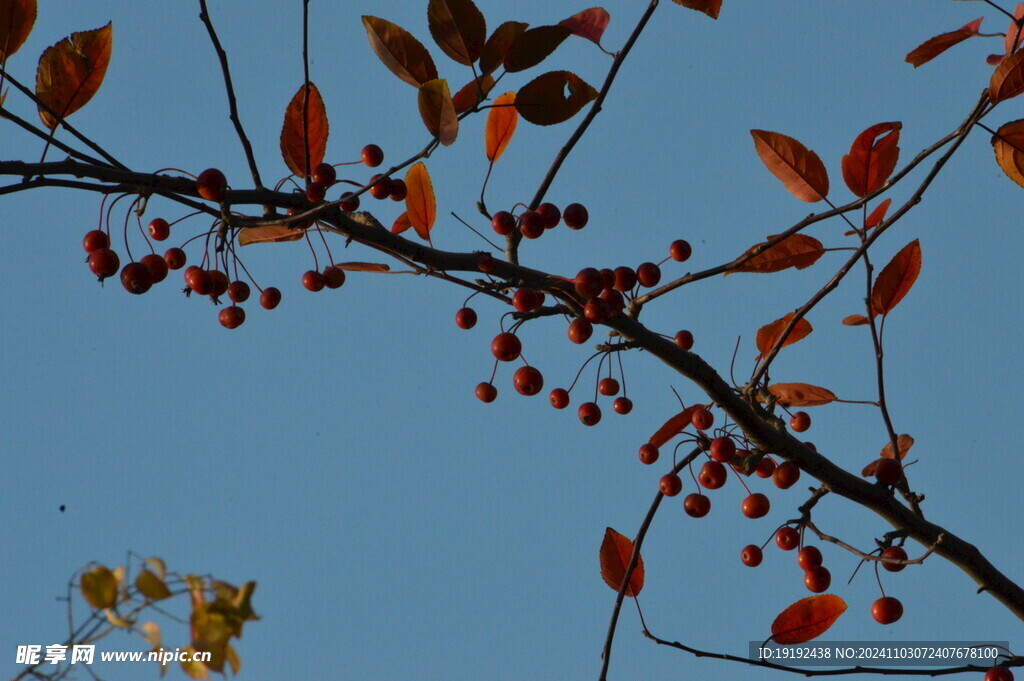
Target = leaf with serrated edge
(798,168)
(294,133)
(872,158)
(458,28)
(542,101)
(1008,145)
(16,20)
(71,72)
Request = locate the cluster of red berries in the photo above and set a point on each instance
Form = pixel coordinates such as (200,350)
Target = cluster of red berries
(324,175)
(532,223)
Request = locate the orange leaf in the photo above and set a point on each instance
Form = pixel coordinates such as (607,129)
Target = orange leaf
(401,53)
(438,111)
(294,134)
(904,442)
(533,46)
(71,72)
(419,202)
(16,20)
(458,28)
(709,7)
(878,214)
(801,394)
(402,223)
(798,168)
(378,268)
(933,47)
(616,550)
(674,426)
(896,279)
(472,93)
(542,101)
(1008,144)
(497,46)
(855,320)
(799,251)
(769,334)
(1008,78)
(267,234)
(590,24)
(872,158)
(1014,34)
(807,619)
(501,124)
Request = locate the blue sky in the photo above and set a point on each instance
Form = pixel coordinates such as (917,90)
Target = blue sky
(332,449)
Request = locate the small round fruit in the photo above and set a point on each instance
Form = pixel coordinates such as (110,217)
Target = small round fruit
(887,610)
(313,281)
(136,278)
(712,475)
(616,302)
(231,317)
(670,485)
(485,392)
(648,453)
(622,405)
(270,297)
(325,174)
(334,277)
(684,339)
(696,505)
(608,386)
(503,223)
(751,555)
(531,224)
(199,280)
(785,475)
(680,250)
(597,311)
(588,283)
(607,279)
(723,449)
(559,398)
(580,331)
(999,674)
(527,300)
(506,347)
(765,468)
(702,419)
(159,229)
(465,318)
(238,291)
(349,202)
(625,279)
(380,187)
(787,538)
(549,214)
(315,192)
(817,579)
(528,380)
(399,190)
(756,506)
(156,265)
(808,557)
(211,185)
(800,422)
(104,263)
(575,216)
(896,553)
(94,240)
(648,274)
(175,258)
(589,413)
(888,472)
(372,155)
(220,283)
(485,262)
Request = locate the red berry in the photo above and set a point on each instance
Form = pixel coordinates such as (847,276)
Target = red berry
(588,283)
(465,318)
(485,262)
(349,202)
(136,278)
(380,187)
(313,280)
(549,214)
(787,538)
(616,303)
(531,224)
(765,468)
(589,414)
(712,475)
(324,174)
(808,557)
(528,380)
(175,258)
(334,277)
(503,223)
(527,300)
(648,453)
(887,610)
(723,449)
(104,263)
(785,475)
(506,347)
(608,386)
(756,505)
(648,274)
(684,339)
(896,553)
(94,240)
(559,398)
(220,283)
(680,250)
(888,472)
(622,405)
(580,331)
(231,317)
(372,155)
(270,297)
(156,265)
(999,674)
(751,555)
(597,311)
(238,291)
(670,485)
(607,279)
(817,579)
(702,419)
(159,229)
(696,505)
(199,280)
(315,192)
(625,279)
(485,392)
(211,184)
(575,216)
(800,422)
(398,189)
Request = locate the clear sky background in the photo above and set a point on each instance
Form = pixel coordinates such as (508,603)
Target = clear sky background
(333,450)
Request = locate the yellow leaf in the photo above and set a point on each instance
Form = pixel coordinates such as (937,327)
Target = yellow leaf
(99,587)
(151,586)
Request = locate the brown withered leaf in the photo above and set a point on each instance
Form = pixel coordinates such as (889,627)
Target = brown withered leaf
(542,101)
(268,234)
(799,251)
(71,72)
(375,267)
(497,46)
(1008,145)
(533,46)
(438,111)
(16,20)
(1008,79)
(855,320)
(294,132)
(472,93)
(458,28)
(399,51)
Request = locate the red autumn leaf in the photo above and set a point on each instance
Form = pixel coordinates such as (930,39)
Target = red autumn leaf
(402,223)
(855,320)
(798,168)
(401,53)
(709,7)
(293,144)
(769,334)
(438,111)
(501,124)
(896,279)
(674,426)
(799,251)
(904,442)
(1008,78)
(616,550)
(71,72)
(801,394)
(878,214)
(542,101)
(590,23)
(419,200)
(16,20)
(1014,35)
(379,268)
(497,46)
(472,93)
(533,46)
(933,47)
(869,470)
(807,619)
(872,158)
(458,28)
(268,234)
(1008,145)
